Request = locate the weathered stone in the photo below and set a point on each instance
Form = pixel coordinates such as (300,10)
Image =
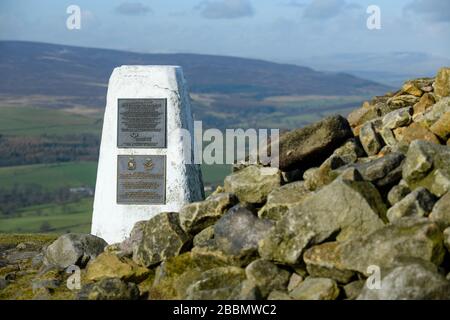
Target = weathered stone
(436,112)
(316,178)
(37,261)
(353,289)
(126,247)
(397,118)
(351,174)
(424,103)
(15,257)
(412,89)
(279,295)
(294,281)
(74,249)
(402,101)
(203,237)
(239,230)
(441,127)
(398,192)
(408,237)
(253,183)
(318,264)
(424,84)
(3,283)
(416,281)
(381,171)
(195,217)
(428,165)
(441,211)
(281,199)
(216,284)
(174,275)
(316,289)
(366,113)
(370,139)
(388,137)
(447,239)
(211,254)
(108,265)
(109,289)
(317,219)
(415,131)
(267,276)
(47,281)
(442,83)
(311,145)
(350,151)
(247,290)
(418,203)
(162,238)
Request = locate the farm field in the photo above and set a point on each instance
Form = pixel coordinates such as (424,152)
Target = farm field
(27,121)
(51,218)
(56,126)
(61,218)
(50,176)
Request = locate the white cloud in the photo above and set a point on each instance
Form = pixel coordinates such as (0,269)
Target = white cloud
(226,9)
(133,9)
(323,9)
(431,10)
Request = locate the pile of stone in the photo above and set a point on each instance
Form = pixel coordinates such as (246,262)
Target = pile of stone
(358,209)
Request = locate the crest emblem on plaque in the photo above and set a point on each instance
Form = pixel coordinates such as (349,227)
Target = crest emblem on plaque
(134,135)
(131,164)
(148,164)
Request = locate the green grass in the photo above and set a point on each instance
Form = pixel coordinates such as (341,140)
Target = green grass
(73,217)
(24,121)
(50,176)
(75,174)
(15,239)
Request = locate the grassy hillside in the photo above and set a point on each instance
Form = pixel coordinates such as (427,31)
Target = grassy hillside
(225,90)
(61,218)
(50,176)
(82,73)
(54,218)
(26,121)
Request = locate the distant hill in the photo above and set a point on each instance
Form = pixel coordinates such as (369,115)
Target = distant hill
(59,76)
(391,68)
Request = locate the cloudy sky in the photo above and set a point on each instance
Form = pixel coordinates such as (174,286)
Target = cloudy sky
(280,30)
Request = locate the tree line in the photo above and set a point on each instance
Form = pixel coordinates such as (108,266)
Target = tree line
(17,150)
(21,196)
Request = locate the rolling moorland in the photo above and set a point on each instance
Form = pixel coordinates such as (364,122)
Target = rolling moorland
(51,108)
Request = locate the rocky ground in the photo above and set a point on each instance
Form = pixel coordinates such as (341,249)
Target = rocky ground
(351,197)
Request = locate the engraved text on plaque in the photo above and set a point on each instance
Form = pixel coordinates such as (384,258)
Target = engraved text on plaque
(141,179)
(142,123)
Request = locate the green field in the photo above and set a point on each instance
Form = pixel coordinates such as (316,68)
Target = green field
(50,176)
(77,174)
(23,121)
(54,218)
(74,217)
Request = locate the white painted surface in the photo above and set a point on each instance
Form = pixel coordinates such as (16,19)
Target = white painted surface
(114,222)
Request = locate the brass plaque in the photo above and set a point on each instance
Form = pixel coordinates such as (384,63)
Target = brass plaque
(142,123)
(141,180)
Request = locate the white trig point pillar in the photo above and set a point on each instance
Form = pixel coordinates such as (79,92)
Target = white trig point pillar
(143,168)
